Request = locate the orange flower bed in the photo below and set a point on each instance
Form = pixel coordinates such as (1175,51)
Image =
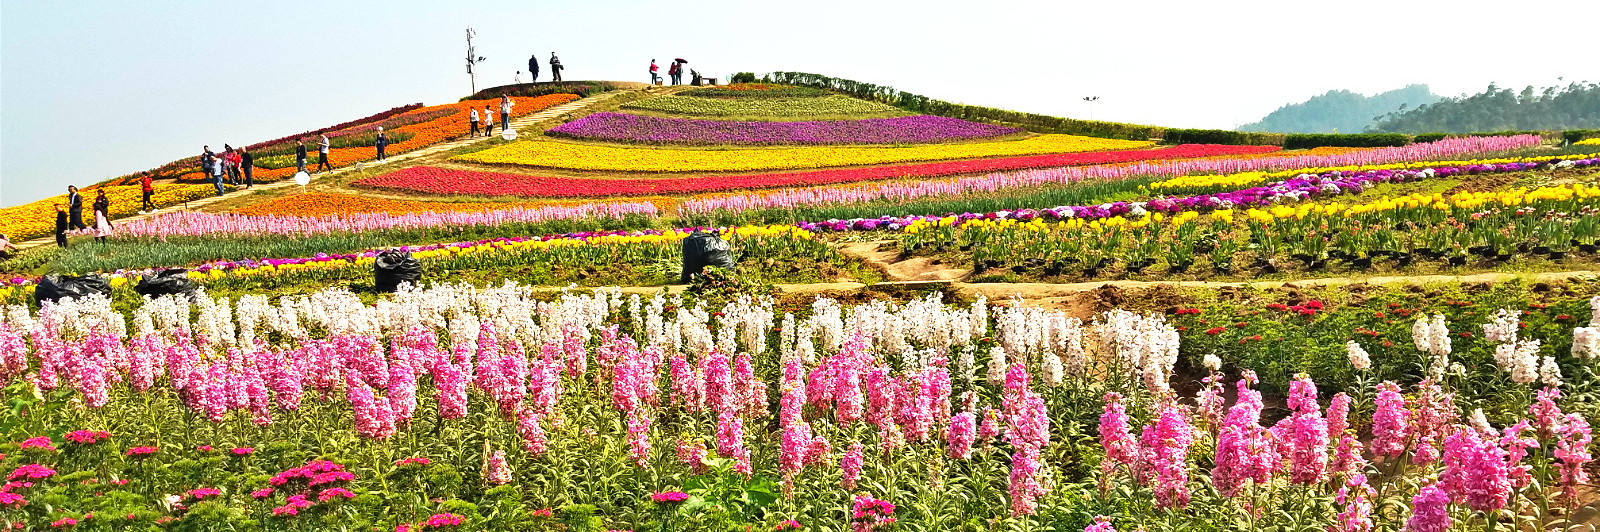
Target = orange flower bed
(448,127)
(325,204)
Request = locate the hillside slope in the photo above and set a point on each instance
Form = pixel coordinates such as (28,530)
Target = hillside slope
(1341,111)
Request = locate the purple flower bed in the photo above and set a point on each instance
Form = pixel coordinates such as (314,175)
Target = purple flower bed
(618,127)
(1286,191)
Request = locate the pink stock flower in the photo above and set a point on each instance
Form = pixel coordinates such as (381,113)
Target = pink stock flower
(851,465)
(989,429)
(451,384)
(1516,446)
(1356,496)
(373,417)
(1025,486)
(531,431)
(1435,410)
(730,441)
(963,430)
(881,397)
(1165,452)
(1210,401)
(639,437)
(1308,455)
(688,387)
(1572,454)
(497,472)
(1391,422)
(1244,450)
(1116,435)
(1347,459)
(1546,415)
(1475,472)
(1338,415)
(692,454)
(1429,511)
(1101,524)
(792,404)
(794,442)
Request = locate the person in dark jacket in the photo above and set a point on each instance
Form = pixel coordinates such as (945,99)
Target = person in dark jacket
(247,163)
(62,226)
(533,68)
(555,68)
(300,154)
(206,160)
(381,142)
(75,206)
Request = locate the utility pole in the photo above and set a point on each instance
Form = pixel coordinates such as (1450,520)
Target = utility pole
(1091,100)
(472,59)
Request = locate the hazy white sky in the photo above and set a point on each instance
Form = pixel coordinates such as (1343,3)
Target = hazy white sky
(95,89)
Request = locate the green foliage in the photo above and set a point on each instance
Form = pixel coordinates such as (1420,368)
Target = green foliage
(1575,135)
(1340,110)
(1302,141)
(30,261)
(1496,109)
(1220,136)
(743,77)
(774,92)
(528,90)
(922,104)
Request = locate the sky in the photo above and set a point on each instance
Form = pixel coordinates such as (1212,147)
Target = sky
(97,89)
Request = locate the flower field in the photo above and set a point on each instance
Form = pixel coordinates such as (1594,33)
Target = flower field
(38,218)
(463,408)
(755,90)
(218,225)
(329,203)
(447,181)
(922,129)
(756,108)
(566,155)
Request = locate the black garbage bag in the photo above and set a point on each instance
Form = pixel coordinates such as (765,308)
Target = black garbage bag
(705,249)
(165,283)
(54,287)
(393,267)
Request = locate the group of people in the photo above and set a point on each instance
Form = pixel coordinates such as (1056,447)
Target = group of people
(675,72)
(228,166)
(533,70)
(69,217)
(487,118)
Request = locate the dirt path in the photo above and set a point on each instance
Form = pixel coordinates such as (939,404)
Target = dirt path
(880,254)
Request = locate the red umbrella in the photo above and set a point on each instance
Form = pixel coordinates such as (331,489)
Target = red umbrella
(682,60)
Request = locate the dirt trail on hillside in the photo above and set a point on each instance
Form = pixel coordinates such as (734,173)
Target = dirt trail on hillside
(880,254)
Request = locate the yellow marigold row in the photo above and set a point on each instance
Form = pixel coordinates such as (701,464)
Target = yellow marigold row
(1588,142)
(36,219)
(568,155)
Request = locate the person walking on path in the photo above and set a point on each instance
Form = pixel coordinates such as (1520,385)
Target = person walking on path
(147,187)
(654,79)
(505,111)
(62,226)
(488,120)
(230,158)
(533,68)
(381,142)
(300,154)
(247,163)
(555,68)
(218,174)
(474,121)
(517,79)
(102,216)
(75,206)
(322,154)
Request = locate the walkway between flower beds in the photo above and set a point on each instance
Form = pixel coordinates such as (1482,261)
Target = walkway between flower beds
(517,123)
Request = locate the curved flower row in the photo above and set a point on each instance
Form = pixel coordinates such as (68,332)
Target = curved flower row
(332,203)
(788,199)
(566,155)
(208,224)
(834,105)
(1299,188)
(443,181)
(922,129)
(30,220)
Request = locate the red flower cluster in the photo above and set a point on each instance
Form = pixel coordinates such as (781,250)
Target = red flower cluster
(1308,309)
(1215,331)
(1184,311)
(442,181)
(86,437)
(1367,332)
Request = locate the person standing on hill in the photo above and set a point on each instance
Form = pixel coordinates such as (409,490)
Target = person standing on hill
(102,216)
(62,226)
(322,154)
(675,72)
(505,111)
(488,120)
(75,206)
(517,79)
(654,79)
(300,154)
(474,120)
(533,69)
(207,159)
(555,68)
(381,142)
(147,187)
(230,157)
(7,249)
(247,163)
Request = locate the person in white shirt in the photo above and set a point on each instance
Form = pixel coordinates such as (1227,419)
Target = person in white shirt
(518,78)
(322,154)
(474,120)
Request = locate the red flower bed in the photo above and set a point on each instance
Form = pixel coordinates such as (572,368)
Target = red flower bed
(442,181)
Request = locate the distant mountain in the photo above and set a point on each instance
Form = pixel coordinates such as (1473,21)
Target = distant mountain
(1576,106)
(1342,110)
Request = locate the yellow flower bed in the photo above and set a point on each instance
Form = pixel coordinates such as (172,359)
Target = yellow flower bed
(1588,142)
(573,156)
(31,220)
(1248,179)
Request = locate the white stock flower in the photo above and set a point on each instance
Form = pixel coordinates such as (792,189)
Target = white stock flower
(1213,362)
(1358,356)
